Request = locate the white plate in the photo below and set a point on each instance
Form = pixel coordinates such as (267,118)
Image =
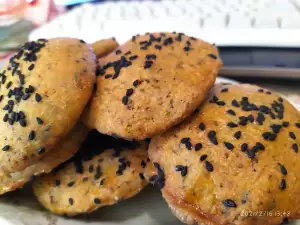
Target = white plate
(147,208)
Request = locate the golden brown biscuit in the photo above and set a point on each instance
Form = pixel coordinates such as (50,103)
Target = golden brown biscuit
(104,172)
(104,47)
(151,83)
(235,161)
(64,150)
(44,90)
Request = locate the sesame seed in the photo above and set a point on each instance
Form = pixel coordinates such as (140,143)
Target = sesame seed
(276,128)
(243,120)
(182,169)
(39,121)
(57,182)
(5,118)
(237,135)
(129,92)
(8,85)
(203,157)
(31,135)
(151,56)
(209,167)
(168,41)
(231,112)
(229,203)
(185,140)
(269,136)
(244,147)
(212,56)
(295,147)
(25,97)
(38,97)
(283,170)
(97,201)
(22,79)
(6,148)
(282,184)
(31,67)
(202,126)
(118,52)
(22,122)
(186,48)
(135,83)
(231,125)
(133,57)
(30,89)
(71,201)
(158,47)
(198,146)
(41,150)
(285,124)
(125,100)
(235,103)
(260,118)
(212,137)
(148,64)
(71,184)
(292,135)
(188,145)
(3,79)
(228,145)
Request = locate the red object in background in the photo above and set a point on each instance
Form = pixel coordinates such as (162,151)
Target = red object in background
(38,11)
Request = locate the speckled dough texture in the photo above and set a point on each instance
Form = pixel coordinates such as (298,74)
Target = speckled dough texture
(99,175)
(151,83)
(65,149)
(104,47)
(44,89)
(235,161)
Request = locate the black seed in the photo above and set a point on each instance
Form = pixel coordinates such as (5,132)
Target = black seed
(125,100)
(295,147)
(141,176)
(135,83)
(188,145)
(276,128)
(229,203)
(185,140)
(31,67)
(237,135)
(91,168)
(129,92)
(57,182)
(228,145)
(269,136)
(38,97)
(71,184)
(224,90)
(285,220)
(22,122)
(39,121)
(292,135)
(220,103)
(209,167)
(260,118)
(182,169)
(10,121)
(297,125)
(251,118)
(260,146)
(231,112)
(1,98)
(98,173)
(3,79)
(235,103)
(283,170)
(30,89)
(118,52)
(143,164)
(212,137)
(231,125)
(31,135)
(285,124)
(198,146)
(25,97)
(168,41)
(148,64)
(202,126)
(102,182)
(6,107)
(212,56)
(260,90)
(107,76)
(268,92)
(8,85)
(186,48)
(71,201)
(283,184)
(97,201)
(41,150)
(158,47)
(22,79)
(5,118)
(280,99)
(244,147)
(133,57)
(151,56)
(6,148)
(203,157)
(243,120)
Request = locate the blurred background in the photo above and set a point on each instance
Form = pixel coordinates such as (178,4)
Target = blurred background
(258,39)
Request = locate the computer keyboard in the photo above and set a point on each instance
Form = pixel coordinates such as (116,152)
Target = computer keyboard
(274,23)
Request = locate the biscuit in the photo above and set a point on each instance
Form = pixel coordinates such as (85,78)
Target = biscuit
(44,89)
(63,151)
(104,172)
(235,161)
(151,83)
(104,47)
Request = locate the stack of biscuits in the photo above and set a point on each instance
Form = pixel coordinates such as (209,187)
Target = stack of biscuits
(94,124)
